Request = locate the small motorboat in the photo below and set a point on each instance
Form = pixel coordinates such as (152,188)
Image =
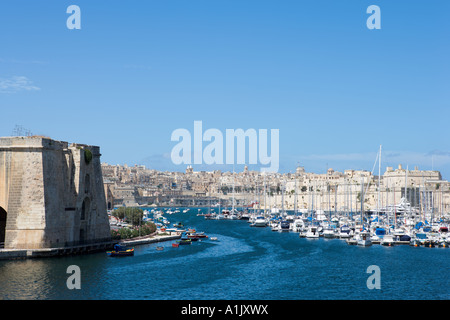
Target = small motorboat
(175,245)
(328,232)
(259,222)
(200,235)
(213,238)
(388,241)
(184,241)
(284,226)
(160,248)
(363,239)
(120,251)
(312,233)
(197,235)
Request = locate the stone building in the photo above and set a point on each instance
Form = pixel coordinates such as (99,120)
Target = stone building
(51,194)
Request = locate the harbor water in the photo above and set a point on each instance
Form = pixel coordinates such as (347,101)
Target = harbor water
(244,263)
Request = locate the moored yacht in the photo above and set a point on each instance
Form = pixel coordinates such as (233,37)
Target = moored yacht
(298,225)
(312,233)
(328,232)
(388,240)
(284,226)
(260,221)
(363,239)
(344,232)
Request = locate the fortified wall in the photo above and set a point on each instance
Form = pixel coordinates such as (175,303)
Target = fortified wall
(51,194)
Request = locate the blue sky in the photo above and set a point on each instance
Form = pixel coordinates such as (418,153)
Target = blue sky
(138,70)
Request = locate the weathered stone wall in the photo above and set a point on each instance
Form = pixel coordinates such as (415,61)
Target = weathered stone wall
(52,196)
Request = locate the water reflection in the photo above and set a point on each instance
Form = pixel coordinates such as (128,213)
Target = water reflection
(26,280)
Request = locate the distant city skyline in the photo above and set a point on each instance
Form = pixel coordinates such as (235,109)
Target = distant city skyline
(134,73)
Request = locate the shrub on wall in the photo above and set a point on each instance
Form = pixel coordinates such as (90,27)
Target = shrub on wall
(87,156)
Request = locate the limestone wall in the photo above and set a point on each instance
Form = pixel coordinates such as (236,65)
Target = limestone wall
(52,196)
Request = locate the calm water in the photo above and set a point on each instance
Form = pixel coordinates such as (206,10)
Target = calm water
(244,264)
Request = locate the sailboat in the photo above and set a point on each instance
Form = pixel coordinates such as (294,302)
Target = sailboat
(233,213)
(363,237)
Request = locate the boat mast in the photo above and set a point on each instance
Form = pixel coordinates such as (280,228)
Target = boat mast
(335,198)
(395,209)
(259,195)
(295,197)
(362,199)
(351,200)
(269,199)
(379,181)
(232,205)
(329,199)
(283,187)
(264,175)
(406,183)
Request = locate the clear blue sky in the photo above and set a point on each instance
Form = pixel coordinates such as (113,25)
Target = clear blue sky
(137,70)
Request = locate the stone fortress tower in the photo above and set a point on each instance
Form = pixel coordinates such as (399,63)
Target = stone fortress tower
(51,195)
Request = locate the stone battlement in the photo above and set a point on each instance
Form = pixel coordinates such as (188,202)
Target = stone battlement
(51,194)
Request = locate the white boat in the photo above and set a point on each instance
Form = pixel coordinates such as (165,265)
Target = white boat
(363,239)
(233,216)
(312,233)
(244,216)
(344,232)
(298,225)
(260,221)
(388,240)
(328,232)
(220,216)
(399,232)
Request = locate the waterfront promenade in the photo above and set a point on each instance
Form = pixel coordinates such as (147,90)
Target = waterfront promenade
(11,254)
(151,239)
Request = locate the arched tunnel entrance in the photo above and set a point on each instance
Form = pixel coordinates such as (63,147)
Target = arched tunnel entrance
(2,227)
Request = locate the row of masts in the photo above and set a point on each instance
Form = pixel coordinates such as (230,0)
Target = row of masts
(352,198)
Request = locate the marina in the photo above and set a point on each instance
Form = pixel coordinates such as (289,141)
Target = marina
(224,150)
(234,260)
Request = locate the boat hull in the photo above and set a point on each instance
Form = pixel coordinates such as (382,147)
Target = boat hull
(184,242)
(364,243)
(126,253)
(387,244)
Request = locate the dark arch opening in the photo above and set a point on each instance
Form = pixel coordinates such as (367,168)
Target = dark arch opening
(85,208)
(2,226)
(87,184)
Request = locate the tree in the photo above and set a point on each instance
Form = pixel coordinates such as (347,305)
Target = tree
(132,215)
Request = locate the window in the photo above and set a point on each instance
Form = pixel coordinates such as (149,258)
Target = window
(87,184)
(85,209)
